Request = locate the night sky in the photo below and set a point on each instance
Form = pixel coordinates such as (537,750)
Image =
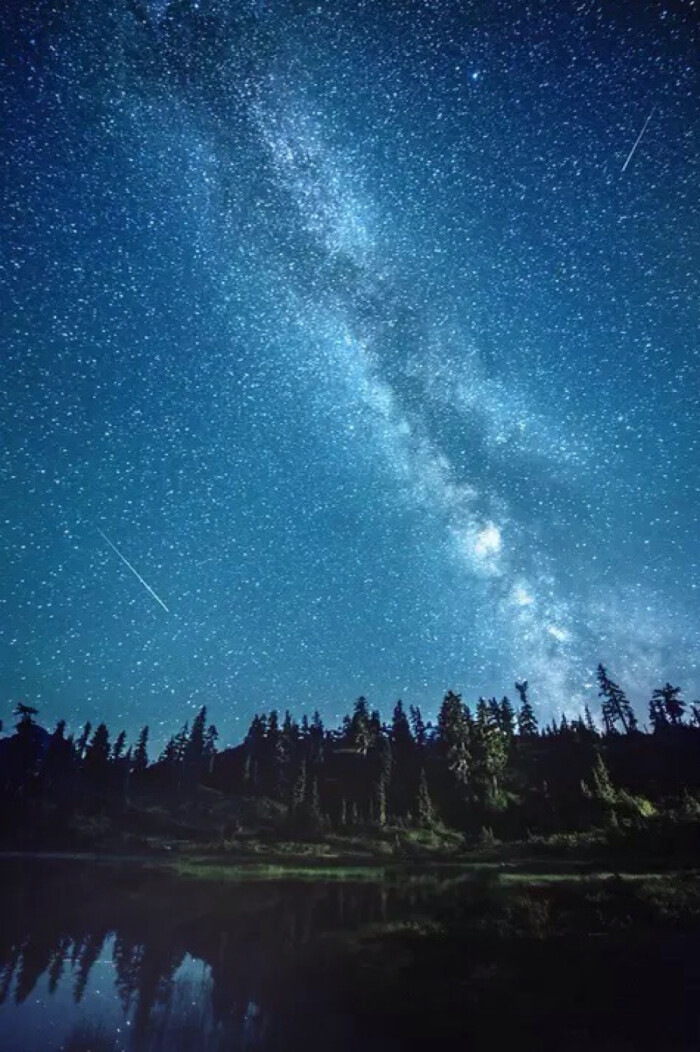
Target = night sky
(365,335)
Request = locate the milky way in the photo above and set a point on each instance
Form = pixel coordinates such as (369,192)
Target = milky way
(361,332)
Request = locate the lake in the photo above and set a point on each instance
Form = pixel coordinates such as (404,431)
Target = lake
(125,957)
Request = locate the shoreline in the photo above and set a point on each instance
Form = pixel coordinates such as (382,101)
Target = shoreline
(515,869)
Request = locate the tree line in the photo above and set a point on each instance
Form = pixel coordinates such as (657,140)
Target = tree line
(490,767)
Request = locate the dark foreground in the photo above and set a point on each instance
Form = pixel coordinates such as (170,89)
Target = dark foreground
(136,958)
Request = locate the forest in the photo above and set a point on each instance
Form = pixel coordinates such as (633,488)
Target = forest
(478,777)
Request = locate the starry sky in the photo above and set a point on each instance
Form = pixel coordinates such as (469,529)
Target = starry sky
(347,348)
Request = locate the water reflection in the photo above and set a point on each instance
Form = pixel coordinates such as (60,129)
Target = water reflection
(128,959)
(131,960)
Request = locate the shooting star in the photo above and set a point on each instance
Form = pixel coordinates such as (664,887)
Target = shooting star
(637,141)
(133,569)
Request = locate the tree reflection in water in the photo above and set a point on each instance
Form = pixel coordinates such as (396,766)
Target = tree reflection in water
(144,962)
(247,937)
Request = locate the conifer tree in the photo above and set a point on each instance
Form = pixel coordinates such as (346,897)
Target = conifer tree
(290,730)
(588,721)
(82,741)
(669,705)
(489,754)
(26,714)
(28,751)
(97,756)
(400,730)
(507,717)
(194,747)
(602,785)
(657,714)
(527,721)
(453,737)
(494,713)
(180,741)
(316,737)
(359,730)
(255,746)
(211,736)
(601,790)
(375,728)
(118,747)
(417,726)
(615,708)
(317,723)
(58,764)
(97,753)
(141,752)
(168,757)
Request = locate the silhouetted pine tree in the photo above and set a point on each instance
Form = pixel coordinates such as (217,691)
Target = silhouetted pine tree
(615,708)
(657,714)
(255,746)
(119,745)
(417,726)
(210,739)
(180,744)
(97,752)
(275,756)
(82,741)
(669,706)
(316,738)
(58,768)
(589,724)
(527,721)
(193,751)
(141,752)
(168,757)
(27,749)
(25,714)
(400,730)
(359,730)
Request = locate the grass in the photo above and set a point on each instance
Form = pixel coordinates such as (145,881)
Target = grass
(204,868)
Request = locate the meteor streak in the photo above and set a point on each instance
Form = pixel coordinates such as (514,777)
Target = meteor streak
(133,570)
(637,141)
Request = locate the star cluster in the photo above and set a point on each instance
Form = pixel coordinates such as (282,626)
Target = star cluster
(344,325)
